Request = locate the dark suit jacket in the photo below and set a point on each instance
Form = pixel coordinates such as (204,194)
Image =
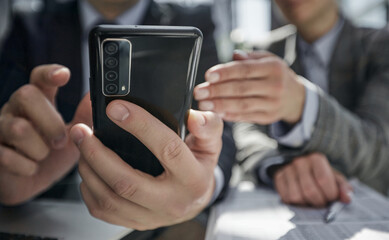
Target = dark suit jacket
(352,127)
(54,36)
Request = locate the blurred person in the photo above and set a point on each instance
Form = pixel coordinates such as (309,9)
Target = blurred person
(41,102)
(339,119)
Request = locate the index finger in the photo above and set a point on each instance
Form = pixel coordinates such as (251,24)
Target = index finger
(119,176)
(243,69)
(345,189)
(49,77)
(165,144)
(30,103)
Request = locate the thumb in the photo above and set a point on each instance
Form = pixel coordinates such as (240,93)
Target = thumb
(48,78)
(84,112)
(345,189)
(206,130)
(242,55)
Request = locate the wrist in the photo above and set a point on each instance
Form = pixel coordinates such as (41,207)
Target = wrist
(296,106)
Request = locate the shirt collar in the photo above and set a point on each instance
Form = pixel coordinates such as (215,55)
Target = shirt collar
(90,16)
(324,46)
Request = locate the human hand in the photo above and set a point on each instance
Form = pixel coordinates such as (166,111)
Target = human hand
(257,87)
(119,194)
(35,150)
(310,180)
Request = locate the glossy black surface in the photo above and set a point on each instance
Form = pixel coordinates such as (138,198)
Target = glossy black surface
(163,64)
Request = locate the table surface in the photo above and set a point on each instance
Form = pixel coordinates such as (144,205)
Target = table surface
(247,208)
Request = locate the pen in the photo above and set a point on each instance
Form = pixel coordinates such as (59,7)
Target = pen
(334,209)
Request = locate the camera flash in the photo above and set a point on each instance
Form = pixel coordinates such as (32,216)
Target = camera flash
(123,88)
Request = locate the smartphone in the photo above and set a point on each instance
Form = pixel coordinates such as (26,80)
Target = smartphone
(152,66)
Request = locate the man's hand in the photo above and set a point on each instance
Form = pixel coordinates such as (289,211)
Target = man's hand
(35,150)
(258,87)
(310,180)
(117,193)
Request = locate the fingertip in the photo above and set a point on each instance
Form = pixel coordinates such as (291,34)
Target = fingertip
(59,70)
(344,198)
(240,55)
(345,188)
(197,117)
(60,75)
(213,118)
(78,133)
(212,76)
(205,124)
(345,193)
(350,195)
(118,111)
(196,121)
(201,91)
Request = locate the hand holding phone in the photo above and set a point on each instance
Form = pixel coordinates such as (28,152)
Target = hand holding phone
(151,66)
(119,194)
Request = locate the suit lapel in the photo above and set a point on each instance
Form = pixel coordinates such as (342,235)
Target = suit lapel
(287,50)
(291,56)
(65,48)
(342,74)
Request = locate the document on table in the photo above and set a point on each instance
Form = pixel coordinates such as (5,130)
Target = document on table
(250,213)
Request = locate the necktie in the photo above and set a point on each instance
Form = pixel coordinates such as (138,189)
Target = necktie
(316,70)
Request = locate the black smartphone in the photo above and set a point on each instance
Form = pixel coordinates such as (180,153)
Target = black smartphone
(152,66)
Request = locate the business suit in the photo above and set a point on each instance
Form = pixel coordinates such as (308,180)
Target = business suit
(54,36)
(352,125)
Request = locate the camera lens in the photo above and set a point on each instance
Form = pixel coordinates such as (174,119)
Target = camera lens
(111,62)
(111,76)
(111,88)
(111,48)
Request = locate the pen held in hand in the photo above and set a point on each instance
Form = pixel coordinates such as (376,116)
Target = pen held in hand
(335,209)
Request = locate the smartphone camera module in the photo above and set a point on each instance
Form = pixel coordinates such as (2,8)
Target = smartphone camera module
(116,66)
(111,48)
(111,89)
(111,62)
(111,76)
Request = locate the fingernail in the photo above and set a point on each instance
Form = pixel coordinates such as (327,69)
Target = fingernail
(213,77)
(201,93)
(206,105)
(57,71)
(59,142)
(241,53)
(77,136)
(201,120)
(118,112)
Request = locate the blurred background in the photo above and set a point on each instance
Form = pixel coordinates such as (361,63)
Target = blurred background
(240,23)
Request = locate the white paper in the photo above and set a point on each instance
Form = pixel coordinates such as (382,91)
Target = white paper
(250,213)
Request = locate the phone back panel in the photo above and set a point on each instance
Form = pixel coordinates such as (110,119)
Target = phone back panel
(163,64)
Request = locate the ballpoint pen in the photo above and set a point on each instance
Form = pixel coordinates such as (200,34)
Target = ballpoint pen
(334,209)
